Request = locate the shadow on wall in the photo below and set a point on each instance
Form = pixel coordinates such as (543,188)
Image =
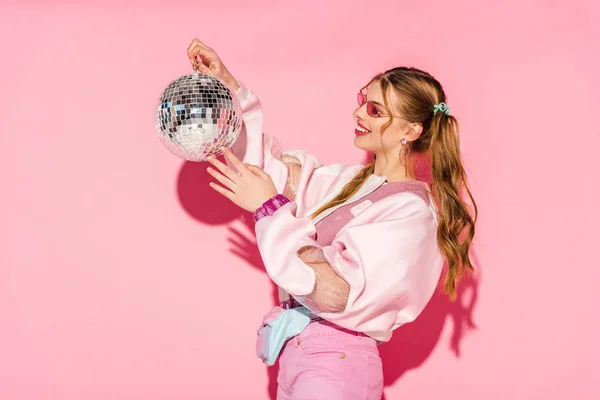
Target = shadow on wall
(411,344)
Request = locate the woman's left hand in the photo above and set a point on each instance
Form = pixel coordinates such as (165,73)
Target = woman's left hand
(249,188)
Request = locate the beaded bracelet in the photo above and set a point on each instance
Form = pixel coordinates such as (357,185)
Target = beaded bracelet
(270,206)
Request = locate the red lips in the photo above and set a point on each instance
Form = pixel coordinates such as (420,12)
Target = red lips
(359,133)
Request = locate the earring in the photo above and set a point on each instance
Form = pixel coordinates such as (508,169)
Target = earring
(406,150)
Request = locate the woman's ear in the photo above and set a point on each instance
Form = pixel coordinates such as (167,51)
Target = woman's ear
(414,131)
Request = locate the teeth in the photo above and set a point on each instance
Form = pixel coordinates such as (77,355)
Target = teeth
(360,128)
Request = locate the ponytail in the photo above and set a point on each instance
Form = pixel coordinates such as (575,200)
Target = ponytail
(456,224)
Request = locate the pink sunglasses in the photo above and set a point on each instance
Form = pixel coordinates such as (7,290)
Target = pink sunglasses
(372,109)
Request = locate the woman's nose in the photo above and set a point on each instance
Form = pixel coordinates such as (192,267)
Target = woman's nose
(358,114)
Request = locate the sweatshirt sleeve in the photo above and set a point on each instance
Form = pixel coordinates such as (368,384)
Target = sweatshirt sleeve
(293,172)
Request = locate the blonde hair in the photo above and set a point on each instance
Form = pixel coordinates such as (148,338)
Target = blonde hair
(420,92)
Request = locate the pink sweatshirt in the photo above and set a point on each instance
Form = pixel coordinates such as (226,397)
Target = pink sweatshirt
(386,250)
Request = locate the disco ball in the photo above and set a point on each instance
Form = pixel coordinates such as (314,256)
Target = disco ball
(196,115)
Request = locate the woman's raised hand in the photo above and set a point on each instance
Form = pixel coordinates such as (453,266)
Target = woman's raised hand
(205,60)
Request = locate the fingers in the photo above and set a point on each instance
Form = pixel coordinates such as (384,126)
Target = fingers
(196,46)
(197,42)
(205,56)
(222,179)
(234,161)
(257,171)
(200,67)
(225,170)
(192,44)
(208,56)
(223,191)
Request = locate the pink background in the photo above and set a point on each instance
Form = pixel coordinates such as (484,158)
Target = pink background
(114,269)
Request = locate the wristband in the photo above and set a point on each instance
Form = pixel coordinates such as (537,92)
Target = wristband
(270,206)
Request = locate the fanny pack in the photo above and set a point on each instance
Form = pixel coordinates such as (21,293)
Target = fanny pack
(277,327)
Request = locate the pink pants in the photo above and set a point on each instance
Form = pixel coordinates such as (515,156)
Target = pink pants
(327,362)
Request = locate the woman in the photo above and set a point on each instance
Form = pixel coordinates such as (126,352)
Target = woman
(357,251)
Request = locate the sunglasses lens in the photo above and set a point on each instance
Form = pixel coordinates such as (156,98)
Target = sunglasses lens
(360,97)
(372,110)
